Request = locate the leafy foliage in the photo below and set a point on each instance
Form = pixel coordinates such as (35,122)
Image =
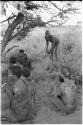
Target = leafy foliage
(30,5)
(27,24)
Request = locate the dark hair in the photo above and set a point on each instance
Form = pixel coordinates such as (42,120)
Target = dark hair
(61,79)
(21,50)
(16,70)
(26,72)
(47,32)
(12,60)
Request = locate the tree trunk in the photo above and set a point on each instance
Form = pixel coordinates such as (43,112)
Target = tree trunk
(8,33)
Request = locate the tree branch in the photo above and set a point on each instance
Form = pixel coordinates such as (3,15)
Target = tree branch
(69,9)
(58,24)
(62,11)
(55,5)
(8,19)
(31,22)
(11,49)
(8,32)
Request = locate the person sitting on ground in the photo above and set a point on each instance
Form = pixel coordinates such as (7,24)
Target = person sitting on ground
(23,59)
(21,95)
(24,94)
(69,89)
(63,92)
(14,73)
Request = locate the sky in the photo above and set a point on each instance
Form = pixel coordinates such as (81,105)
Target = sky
(72,21)
(73,18)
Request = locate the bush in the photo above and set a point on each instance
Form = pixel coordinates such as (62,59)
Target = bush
(68,48)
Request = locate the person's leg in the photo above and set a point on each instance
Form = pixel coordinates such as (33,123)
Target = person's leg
(56,52)
(64,108)
(52,51)
(47,43)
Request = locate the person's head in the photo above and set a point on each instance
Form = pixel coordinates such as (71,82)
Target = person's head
(66,72)
(61,79)
(21,51)
(26,72)
(12,60)
(47,32)
(14,71)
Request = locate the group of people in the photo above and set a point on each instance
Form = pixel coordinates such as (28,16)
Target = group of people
(64,90)
(18,93)
(21,60)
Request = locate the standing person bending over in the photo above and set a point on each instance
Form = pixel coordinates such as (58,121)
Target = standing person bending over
(55,44)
